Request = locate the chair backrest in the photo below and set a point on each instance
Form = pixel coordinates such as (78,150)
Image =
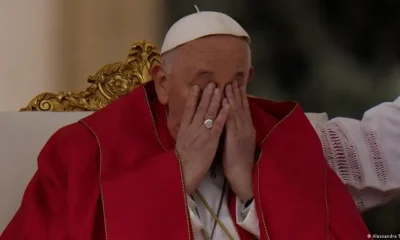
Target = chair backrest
(23,134)
(112,82)
(107,85)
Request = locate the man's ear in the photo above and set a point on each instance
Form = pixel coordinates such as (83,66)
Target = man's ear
(251,75)
(159,77)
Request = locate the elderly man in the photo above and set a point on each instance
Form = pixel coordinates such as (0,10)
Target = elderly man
(190,156)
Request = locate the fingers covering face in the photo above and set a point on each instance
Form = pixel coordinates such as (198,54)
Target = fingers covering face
(220,121)
(237,97)
(237,94)
(204,104)
(214,106)
(191,106)
(209,106)
(245,101)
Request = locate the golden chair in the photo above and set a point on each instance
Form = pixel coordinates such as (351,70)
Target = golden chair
(107,85)
(114,81)
(20,143)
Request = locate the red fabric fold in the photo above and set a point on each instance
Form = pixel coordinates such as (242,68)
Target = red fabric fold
(114,175)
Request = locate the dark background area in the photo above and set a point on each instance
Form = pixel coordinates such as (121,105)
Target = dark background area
(336,56)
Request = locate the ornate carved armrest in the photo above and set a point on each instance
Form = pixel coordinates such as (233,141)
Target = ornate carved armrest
(107,85)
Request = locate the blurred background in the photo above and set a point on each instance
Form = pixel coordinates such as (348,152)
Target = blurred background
(336,56)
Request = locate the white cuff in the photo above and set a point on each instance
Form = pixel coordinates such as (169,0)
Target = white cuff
(197,226)
(247,217)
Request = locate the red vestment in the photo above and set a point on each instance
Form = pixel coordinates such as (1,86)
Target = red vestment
(114,175)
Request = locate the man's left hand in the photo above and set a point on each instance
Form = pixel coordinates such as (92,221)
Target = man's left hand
(240,141)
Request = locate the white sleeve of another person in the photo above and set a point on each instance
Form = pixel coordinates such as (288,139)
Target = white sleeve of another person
(365,154)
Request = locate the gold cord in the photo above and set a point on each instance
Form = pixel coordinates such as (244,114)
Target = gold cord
(215,218)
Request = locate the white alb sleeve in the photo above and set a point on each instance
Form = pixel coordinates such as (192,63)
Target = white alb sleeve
(246,217)
(365,154)
(197,226)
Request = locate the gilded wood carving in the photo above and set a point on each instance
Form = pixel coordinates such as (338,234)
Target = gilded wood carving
(107,85)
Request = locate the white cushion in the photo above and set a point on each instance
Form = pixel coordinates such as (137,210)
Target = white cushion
(22,136)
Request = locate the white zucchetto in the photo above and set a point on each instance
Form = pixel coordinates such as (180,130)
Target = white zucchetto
(201,24)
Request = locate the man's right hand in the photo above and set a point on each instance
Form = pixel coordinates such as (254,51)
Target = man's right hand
(196,145)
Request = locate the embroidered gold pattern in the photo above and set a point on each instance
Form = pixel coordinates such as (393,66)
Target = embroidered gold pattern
(100,174)
(258,176)
(109,84)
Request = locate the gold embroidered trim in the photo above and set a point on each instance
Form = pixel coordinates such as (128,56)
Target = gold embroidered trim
(177,157)
(259,197)
(258,178)
(258,170)
(100,173)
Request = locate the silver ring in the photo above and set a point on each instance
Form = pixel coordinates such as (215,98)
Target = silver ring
(208,123)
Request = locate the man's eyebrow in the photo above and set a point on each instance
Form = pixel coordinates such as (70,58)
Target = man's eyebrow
(202,73)
(239,74)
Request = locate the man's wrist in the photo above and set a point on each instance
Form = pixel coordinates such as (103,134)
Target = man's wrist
(243,186)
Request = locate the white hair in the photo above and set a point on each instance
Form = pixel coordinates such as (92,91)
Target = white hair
(168,59)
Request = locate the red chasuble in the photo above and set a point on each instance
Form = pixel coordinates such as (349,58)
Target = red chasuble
(114,175)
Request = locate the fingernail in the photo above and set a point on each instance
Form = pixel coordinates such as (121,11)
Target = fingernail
(210,85)
(196,88)
(217,91)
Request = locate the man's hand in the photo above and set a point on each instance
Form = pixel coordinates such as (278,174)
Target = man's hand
(240,143)
(196,145)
